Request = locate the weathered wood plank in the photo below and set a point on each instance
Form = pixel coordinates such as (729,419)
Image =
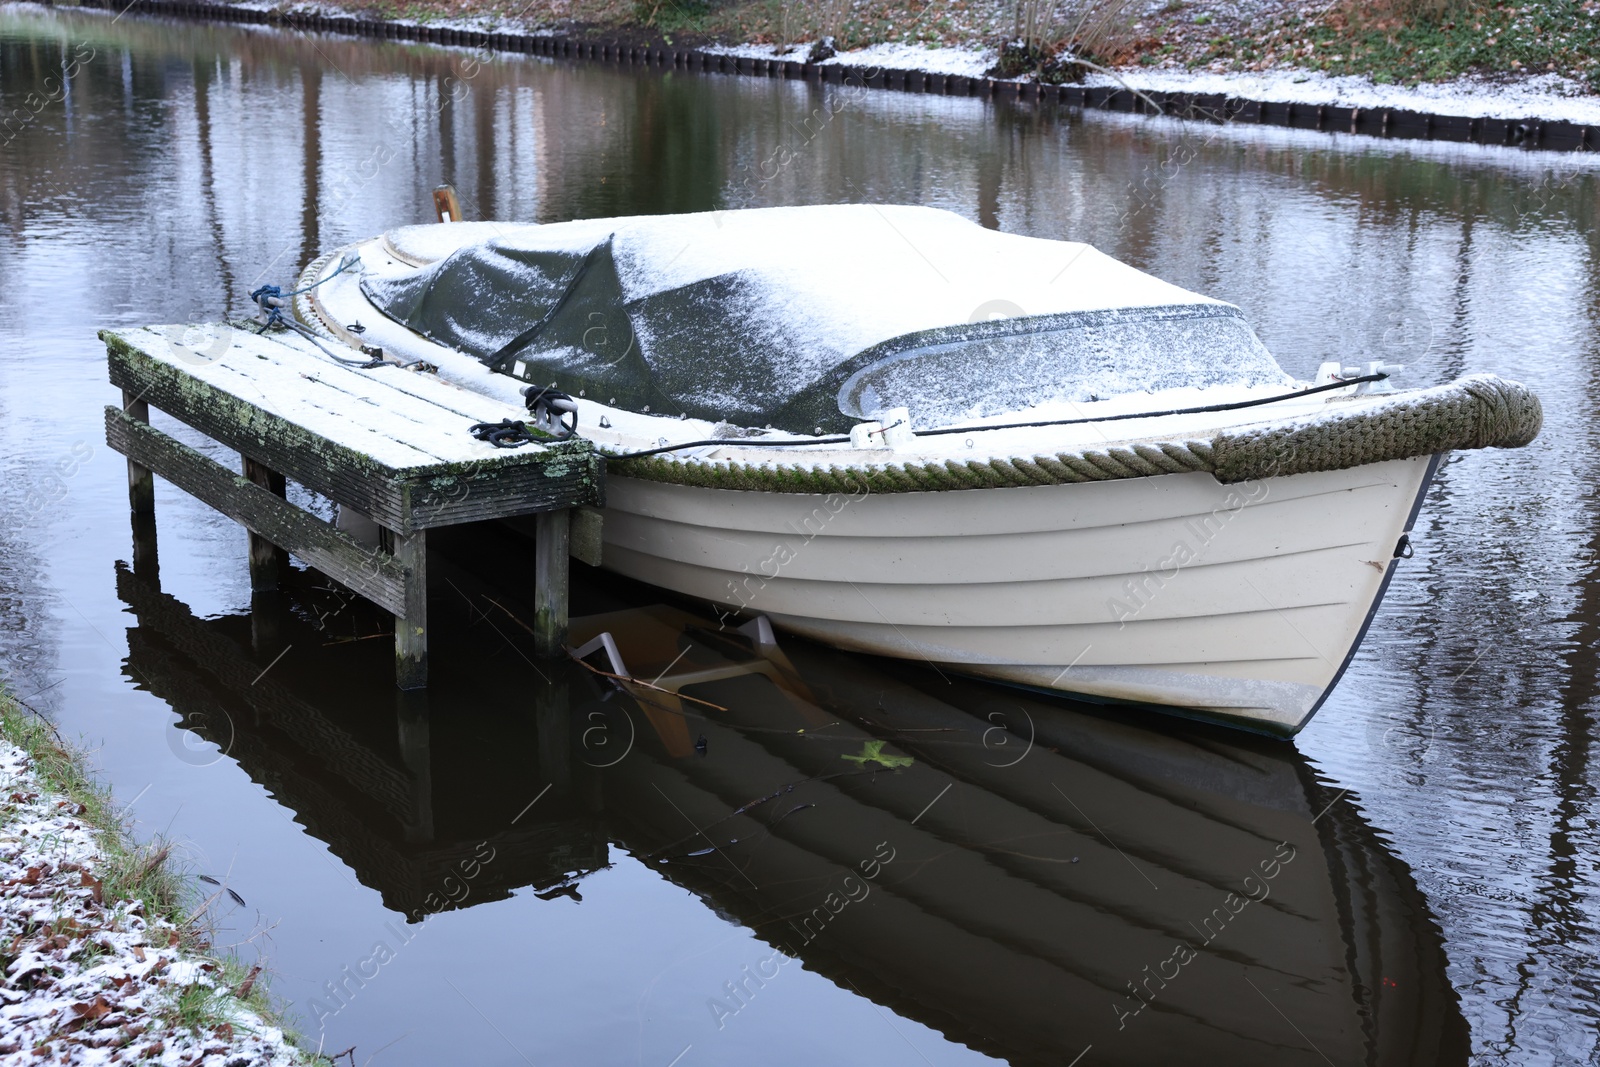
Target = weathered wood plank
(402,418)
(311,391)
(374,575)
(586,535)
(563,475)
(550,548)
(369,410)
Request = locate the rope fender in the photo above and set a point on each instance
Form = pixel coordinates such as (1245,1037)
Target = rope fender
(1479,411)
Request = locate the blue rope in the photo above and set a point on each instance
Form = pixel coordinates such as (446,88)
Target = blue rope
(272,300)
(269,292)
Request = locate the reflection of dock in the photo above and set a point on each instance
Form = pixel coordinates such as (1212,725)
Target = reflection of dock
(366,788)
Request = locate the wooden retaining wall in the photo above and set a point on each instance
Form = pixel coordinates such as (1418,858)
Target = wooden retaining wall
(1395,123)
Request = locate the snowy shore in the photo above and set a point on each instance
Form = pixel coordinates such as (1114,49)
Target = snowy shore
(1545,98)
(91,979)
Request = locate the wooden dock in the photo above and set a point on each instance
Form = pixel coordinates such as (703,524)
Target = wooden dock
(390,443)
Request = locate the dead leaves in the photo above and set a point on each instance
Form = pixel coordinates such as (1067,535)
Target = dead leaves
(249,982)
(89,1013)
(30,877)
(97,889)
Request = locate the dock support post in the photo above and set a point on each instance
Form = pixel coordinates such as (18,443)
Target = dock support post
(551,539)
(141,482)
(266,559)
(411,630)
(141,497)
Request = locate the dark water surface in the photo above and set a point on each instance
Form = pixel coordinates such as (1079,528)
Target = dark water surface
(1413,881)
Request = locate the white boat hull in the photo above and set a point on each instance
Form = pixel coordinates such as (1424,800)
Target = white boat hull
(1241,603)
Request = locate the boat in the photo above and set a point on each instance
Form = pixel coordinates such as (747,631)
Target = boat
(893,431)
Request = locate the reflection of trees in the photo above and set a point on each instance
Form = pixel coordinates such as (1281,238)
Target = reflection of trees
(208,175)
(311,152)
(1560,913)
(653,143)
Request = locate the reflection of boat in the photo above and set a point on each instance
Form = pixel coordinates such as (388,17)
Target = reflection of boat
(1029,462)
(1021,886)
(1047,867)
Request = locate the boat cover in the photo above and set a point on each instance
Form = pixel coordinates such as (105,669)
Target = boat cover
(810,318)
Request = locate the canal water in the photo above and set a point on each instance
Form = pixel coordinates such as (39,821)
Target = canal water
(527,865)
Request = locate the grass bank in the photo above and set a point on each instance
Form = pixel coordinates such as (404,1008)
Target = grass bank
(1405,41)
(104,943)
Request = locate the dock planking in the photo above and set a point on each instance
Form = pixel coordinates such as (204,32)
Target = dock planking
(388,442)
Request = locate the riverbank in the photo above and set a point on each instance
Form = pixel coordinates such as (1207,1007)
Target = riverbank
(101,959)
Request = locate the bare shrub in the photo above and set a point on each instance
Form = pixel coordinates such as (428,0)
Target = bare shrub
(1382,12)
(1048,36)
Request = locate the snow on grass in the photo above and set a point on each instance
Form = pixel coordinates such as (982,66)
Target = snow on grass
(88,979)
(966,61)
(1547,97)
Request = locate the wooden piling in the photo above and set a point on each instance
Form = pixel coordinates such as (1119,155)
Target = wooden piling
(141,495)
(267,560)
(413,731)
(411,627)
(551,534)
(141,482)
